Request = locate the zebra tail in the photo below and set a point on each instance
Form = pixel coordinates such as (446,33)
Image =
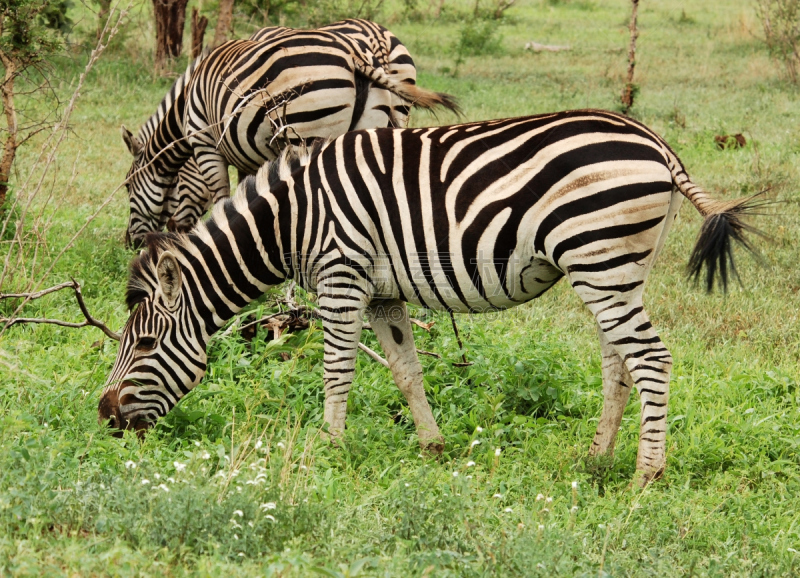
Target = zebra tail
(724,226)
(417,96)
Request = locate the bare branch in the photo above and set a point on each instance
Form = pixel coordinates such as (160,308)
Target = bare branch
(76,287)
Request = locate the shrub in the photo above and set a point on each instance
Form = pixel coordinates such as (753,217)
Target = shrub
(781,22)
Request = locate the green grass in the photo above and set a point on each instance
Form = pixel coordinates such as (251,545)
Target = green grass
(727,505)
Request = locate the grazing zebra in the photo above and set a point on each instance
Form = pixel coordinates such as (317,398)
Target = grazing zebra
(226,112)
(467,218)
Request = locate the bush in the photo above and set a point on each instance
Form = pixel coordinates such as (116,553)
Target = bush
(781,22)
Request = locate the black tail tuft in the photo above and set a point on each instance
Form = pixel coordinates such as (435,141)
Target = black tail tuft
(714,246)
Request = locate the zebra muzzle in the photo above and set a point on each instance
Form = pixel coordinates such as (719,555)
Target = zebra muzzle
(109,413)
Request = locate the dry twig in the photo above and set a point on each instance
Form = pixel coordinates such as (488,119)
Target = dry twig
(76,287)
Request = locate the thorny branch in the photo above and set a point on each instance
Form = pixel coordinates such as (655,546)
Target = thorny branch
(76,287)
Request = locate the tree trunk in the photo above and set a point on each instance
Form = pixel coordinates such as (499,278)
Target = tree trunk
(199,24)
(224,22)
(629,90)
(102,16)
(170,16)
(10,146)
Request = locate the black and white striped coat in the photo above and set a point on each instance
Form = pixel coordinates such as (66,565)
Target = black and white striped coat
(474,217)
(227,114)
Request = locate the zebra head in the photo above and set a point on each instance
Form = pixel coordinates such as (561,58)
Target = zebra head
(162,354)
(148,185)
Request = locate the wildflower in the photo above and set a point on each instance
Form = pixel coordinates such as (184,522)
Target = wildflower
(408,485)
(498,496)
(497,453)
(574,509)
(508,510)
(220,474)
(157,476)
(259,443)
(206,455)
(455,474)
(268,506)
(470,464)
(163,487)
(145,482)
(250,523)
(281,445)
(235,536)
(197,443)
(574,485)
(44,424)
(548,499)
(469,477)
(541,527)
(402,461)
(270,517)
(539,497)
(238,513)
(479,429)
(241,554)
(179,467)
(171,480)
(303,467)
(475,443)
(130,464)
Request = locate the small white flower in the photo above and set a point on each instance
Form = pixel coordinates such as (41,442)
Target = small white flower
(251,524)
(235,536)
(102,486)
(545,510)
(145,482)
(206,455)
(220,474)
(44,424)
(179,467)
(479,429)
(269,506)
(402,461)
(130,464)
(469,477)
(240,554)
(408,485)
(548,499)
(498,496)
(163,487)
(259,443)
(281,445)
(574,485)
(303,467)
(508,510)
(455,474)
(497,452)
(470,464)
(475,443)
(541,527)
(238,513)
(539,497)
(574,509)
(171,480)
(157,476)
(270,517)
(197,443)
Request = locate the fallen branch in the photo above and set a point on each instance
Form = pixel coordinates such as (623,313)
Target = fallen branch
(89,322)
(373,355)
(431,353)
(536,47)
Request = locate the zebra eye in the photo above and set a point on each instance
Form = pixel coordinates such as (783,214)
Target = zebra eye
(146,343)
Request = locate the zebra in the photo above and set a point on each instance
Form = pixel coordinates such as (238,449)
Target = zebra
(228,113)
(499,210)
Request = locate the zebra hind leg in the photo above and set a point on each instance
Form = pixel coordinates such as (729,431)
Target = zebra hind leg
(390,322)
(627,329)
(617,385)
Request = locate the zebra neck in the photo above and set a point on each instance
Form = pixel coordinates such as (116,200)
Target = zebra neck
(233,260)
(167,148)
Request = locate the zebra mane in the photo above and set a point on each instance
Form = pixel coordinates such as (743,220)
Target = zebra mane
(149,127)
(142,278)
(289,161)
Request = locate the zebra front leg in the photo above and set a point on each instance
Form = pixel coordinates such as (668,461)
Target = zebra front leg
(341,324)
(390,322)
(617,385)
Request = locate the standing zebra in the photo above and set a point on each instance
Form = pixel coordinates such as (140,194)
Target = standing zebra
(467,218)
(222,116)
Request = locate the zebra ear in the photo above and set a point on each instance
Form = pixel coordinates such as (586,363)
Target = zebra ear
(169,277)
(133,144)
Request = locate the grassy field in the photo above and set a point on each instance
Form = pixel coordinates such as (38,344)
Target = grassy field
(236,481)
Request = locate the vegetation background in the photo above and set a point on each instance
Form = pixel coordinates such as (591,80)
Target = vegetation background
(236,481)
